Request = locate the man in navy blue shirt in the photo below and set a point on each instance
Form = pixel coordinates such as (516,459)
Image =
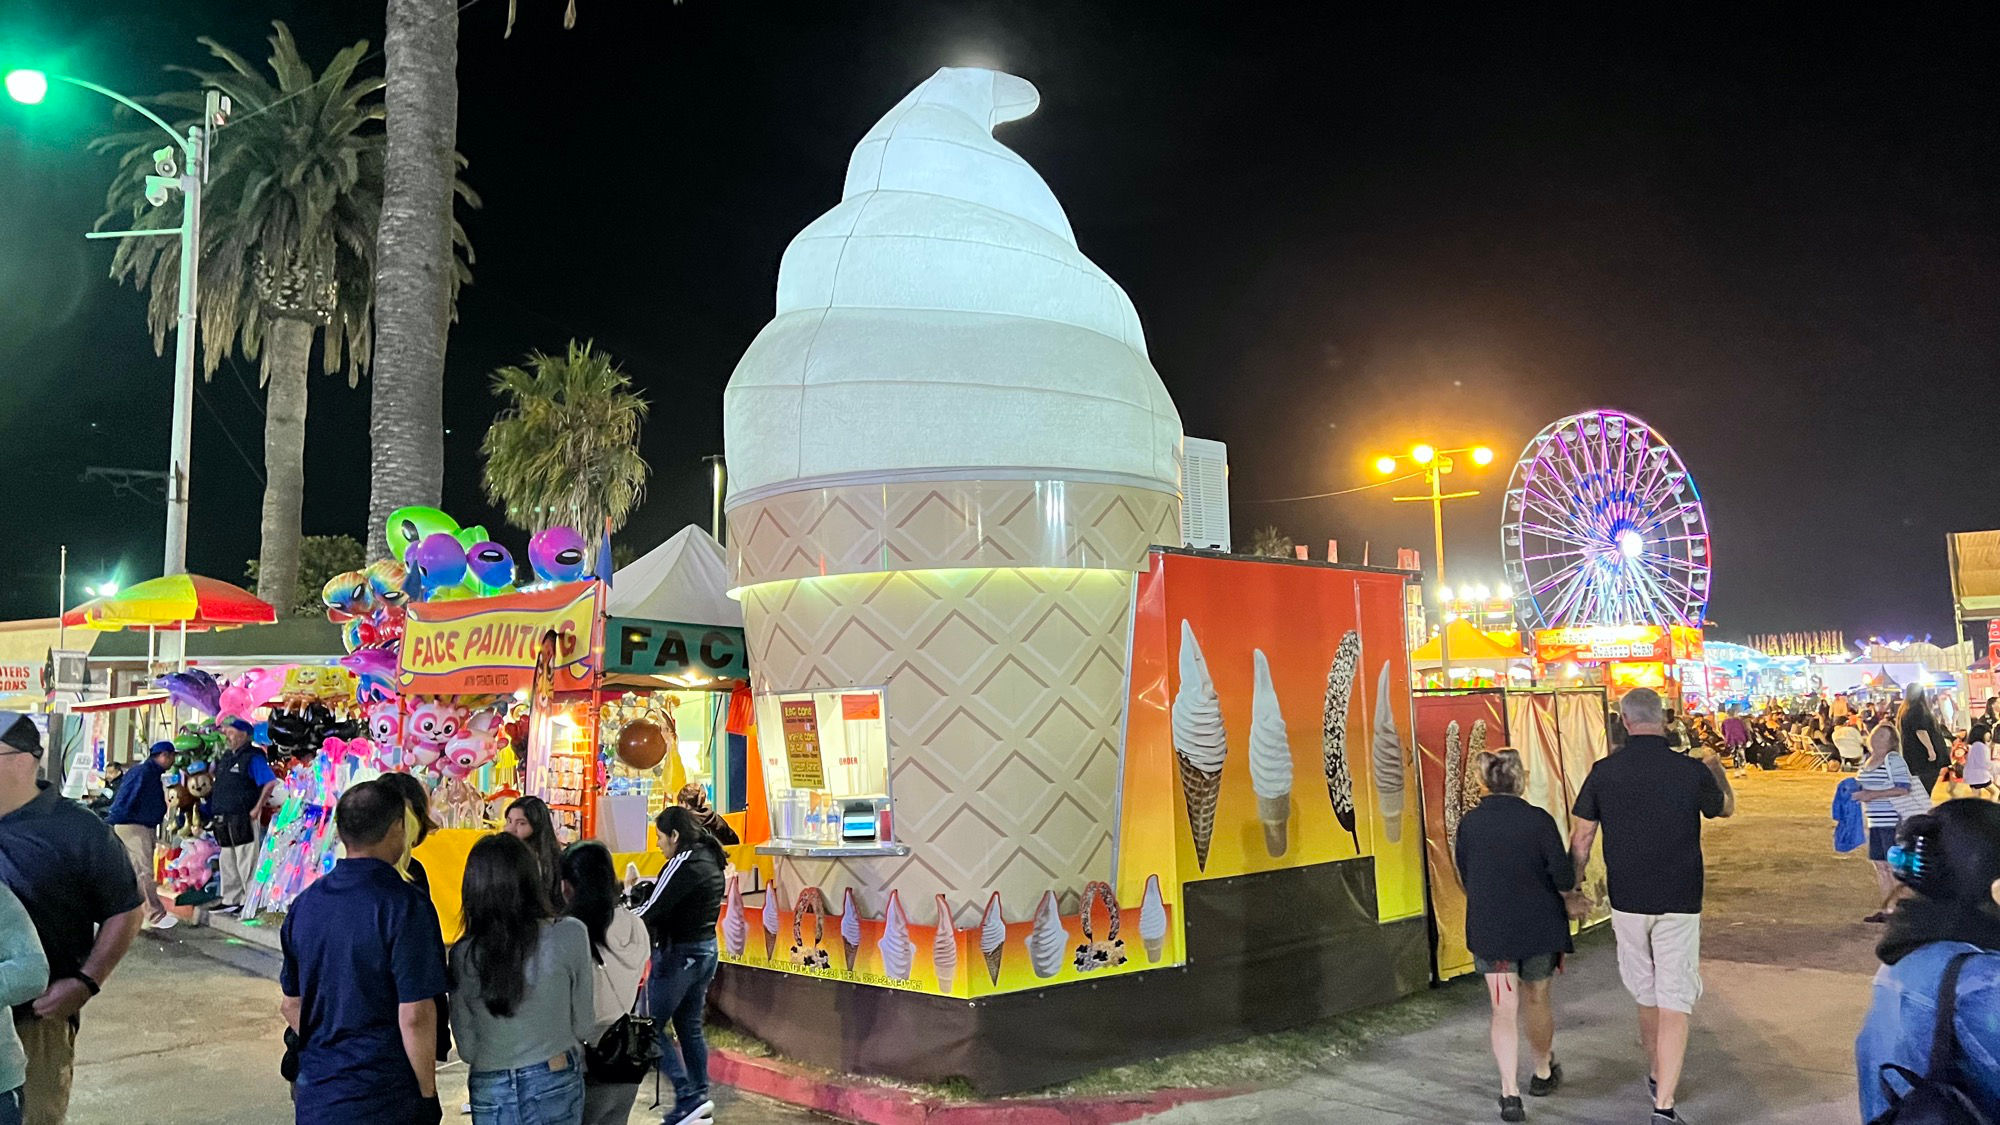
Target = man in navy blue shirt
(243,782)
(135,816)
(364,959)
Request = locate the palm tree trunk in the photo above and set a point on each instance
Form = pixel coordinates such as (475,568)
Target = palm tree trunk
(413,261)
(287,363)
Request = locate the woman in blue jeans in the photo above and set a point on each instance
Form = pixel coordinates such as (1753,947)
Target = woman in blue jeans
(520,992)
(680,915)
(1950,860)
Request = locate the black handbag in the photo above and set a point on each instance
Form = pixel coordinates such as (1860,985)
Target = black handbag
(628,1050)
(1937,1096)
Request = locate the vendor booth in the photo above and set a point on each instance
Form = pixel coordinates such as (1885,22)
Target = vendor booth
(1618,658)
(1478,658)
(1042,796)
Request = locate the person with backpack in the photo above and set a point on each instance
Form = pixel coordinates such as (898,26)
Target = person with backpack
(615,1058)
(1929,1050)
(243,782)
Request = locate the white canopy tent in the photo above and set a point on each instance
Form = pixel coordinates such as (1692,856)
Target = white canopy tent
(685,580)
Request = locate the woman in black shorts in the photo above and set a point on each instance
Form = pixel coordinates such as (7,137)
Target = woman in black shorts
(1514,867)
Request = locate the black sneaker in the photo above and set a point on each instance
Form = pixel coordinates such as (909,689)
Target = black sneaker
(1666,1117)
(1510,1108)
(1540,1087)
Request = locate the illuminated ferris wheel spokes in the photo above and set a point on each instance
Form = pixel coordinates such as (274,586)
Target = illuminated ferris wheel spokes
(1602,525)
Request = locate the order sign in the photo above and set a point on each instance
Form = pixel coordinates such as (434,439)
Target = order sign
(802,759)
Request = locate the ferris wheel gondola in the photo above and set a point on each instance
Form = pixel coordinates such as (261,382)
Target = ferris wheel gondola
(1603,525)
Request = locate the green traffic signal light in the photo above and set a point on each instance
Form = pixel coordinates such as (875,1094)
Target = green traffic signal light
(28,87)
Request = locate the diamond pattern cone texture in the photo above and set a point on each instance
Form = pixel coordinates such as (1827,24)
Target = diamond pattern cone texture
(1005,694)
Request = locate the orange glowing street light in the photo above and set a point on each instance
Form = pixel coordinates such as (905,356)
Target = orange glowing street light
(1435,463)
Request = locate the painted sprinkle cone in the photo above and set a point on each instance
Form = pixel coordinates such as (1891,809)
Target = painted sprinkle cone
(1201,790)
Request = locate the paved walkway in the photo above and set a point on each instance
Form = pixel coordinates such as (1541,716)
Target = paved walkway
(1772,1043)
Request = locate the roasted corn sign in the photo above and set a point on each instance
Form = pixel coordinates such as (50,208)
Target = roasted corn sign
(482,646)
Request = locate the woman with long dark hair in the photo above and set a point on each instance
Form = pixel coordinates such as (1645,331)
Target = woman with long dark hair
(680,914)
(521,992)
(1947,927)
(618,948)
(528,821)
(1926,746)
(1515,870)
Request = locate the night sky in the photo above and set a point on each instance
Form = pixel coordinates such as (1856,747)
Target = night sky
(1775,240)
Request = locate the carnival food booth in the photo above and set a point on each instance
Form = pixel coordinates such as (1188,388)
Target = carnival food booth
(1618,658)
(1478,658)
(1042,796)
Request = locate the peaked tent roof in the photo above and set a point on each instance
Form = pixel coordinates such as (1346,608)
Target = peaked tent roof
(1468,646)
(684,579)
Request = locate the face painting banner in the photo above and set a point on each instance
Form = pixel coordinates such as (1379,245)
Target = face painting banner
(487,646)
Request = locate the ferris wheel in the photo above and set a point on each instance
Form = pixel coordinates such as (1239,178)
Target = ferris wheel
(1603,526)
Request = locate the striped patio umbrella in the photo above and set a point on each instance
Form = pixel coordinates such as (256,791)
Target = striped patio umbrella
(180,602)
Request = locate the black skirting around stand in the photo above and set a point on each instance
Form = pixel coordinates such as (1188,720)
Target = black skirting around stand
(1266,952)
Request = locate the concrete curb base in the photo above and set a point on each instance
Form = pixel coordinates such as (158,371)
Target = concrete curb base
(853,1099)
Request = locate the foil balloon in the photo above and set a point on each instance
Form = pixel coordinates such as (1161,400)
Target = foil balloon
(642,745)
(557,555)
(410,526)
(439,564)
(347,596)
(492,566)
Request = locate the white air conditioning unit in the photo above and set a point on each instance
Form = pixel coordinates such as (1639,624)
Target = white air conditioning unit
(1204,494)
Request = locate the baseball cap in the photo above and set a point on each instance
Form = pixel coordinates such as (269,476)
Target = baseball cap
(241,724)
(18,731)
(162,747)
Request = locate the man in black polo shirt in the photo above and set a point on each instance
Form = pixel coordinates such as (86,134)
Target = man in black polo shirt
(364,960)
(1650,801)
(71,873)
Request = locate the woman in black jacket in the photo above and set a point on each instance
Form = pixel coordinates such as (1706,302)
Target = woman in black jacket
(1514,868)
(680,915)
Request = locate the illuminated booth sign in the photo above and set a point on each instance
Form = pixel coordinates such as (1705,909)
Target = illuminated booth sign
(666,648)
(1604,644)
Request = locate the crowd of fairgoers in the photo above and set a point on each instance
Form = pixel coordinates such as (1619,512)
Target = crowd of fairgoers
(1835,736)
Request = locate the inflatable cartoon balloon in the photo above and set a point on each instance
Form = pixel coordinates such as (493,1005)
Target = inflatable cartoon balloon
(439,563)
(410,526)
(557,555)
(642,745)
(492,566)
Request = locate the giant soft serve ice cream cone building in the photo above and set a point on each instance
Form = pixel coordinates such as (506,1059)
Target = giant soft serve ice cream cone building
(948,455)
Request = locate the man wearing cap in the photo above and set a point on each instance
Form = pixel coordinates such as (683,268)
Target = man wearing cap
(67,868)
(135,816)
(243,782)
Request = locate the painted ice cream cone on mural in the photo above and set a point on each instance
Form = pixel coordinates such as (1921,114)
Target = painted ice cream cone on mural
(1153,920)
(1339,694)
(1454,766)
(850,928)
(944,946)
(1270,759)
(1386,756)
(1049,940)
(771,920)
(898,955)
(1200,742)
(993,937)
(1469,786)
(735,929)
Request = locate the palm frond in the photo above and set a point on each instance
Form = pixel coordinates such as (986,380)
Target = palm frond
(565,451)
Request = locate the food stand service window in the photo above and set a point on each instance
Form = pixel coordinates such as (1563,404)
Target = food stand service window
(826,763)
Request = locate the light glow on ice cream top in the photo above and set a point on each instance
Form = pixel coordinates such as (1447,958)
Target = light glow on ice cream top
(940,320)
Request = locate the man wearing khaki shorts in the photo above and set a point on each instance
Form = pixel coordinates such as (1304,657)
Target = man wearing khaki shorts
(1650,802)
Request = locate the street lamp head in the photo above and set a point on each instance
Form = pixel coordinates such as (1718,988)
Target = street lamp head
(1422,454)
(28,87)
(1385,465)
(1482,455)
(1444,594)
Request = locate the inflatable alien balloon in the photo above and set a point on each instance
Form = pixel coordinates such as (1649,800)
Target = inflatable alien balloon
(557,555)
(492,568)
(410,526)
(439,563)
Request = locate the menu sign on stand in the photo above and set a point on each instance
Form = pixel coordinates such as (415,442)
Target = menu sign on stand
(802,757)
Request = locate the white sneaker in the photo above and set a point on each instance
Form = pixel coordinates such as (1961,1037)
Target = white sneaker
(166,922)
(702,1114)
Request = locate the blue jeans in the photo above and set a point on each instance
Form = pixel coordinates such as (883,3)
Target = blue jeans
(10,1106)
(681,975)
(531,1095)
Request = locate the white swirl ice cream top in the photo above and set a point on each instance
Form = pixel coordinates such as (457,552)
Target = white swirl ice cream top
(850,919)
(897,952)
(1198,732)
(1270,744)
(1049,940)
(1152,912)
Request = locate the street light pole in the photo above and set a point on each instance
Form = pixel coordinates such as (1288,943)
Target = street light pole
(1435,463)
(192,170)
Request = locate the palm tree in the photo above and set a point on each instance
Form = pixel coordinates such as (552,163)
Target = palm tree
(414,271)
(1271,543)
(288,246)
(565,451)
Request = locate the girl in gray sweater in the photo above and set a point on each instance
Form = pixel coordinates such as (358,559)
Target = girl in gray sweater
(521,992)
(24,975)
